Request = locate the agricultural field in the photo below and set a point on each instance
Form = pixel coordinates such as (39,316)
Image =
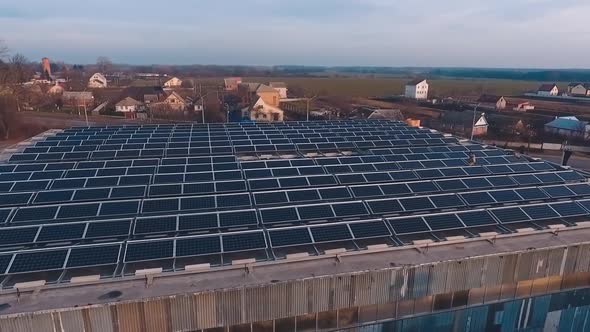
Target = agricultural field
(371,87)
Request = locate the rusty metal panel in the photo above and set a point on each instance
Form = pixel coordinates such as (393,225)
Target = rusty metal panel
(420,284)
(318,294)
(583,259)
(438,278)
(508,273)
(523,266)
(100,319)
(42,322)
(570,260)
(343,293)
(474,269)
(205,305)
(17,324)
(491,271)
(555,259)
(538,266)
(362,283)
(130,317)
(71,321)
(299,297)
(229,307)
(258,303)
(182,313)
(157,315)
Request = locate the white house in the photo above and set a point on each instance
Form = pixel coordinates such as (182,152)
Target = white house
(578,89)
(262,112)
(128,105)
(548,90)
(417,89)
(97,81)
(281,87)
(174,82)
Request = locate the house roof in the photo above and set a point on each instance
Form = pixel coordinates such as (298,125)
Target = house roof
(416,81)
(177,95)
(574,84)
(567,123)
(173,78)
(151,98)
(278,84)
(250,87)
(98,76)
(232,80)
(265,88)
(387,114)
(489,99)
(547,87)
(128,102)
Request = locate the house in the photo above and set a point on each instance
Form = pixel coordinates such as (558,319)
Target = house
(281,87)
(174,82)
(232,83)
(269,95)
(77,99)
(386,114)
(578,89)
(97,81)
(491,101)
(55,90)
(247,92)
(151,98)
(463,122)
(263,112)
(175,101)
(569,126)
(523,107)
(417,89)
(128,105)
(548,90)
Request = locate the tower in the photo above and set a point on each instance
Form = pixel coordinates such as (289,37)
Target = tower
(46,68)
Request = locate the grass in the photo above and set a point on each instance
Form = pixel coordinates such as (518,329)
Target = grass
(370,87)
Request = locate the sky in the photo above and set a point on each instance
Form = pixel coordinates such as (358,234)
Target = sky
(394,33)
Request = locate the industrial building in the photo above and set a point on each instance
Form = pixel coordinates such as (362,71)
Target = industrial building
(366,225)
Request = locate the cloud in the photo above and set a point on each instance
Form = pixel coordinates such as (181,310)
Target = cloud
(499,33)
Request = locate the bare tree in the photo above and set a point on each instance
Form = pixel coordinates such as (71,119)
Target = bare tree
(3,50)
(20,68)
(104,64)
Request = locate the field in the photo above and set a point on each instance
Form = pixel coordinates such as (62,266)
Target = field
(371,87)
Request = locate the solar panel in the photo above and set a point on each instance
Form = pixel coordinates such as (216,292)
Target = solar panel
(539,212)
(478,198)
(408,225)
(568,209)
(416,204)
(114,228)
(369,229)
(9,236)
(38,261)
(277,215)
(476,218)
(446,201)
(61,232)
(149,250)
(155,225)
(93,256)
(290,237)
(238,218)
(350,209)
(444,221)
(558,191)
(330,233)
(198,246)
(243,241)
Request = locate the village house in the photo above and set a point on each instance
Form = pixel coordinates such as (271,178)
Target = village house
(232,83)
(83,99)
(462,123)
(281,87)
(417,89)
(492,102)
(548,90)
(266,106)
(175,101)
(569,126)
(578,89)
(128,105)
(174,82)
(523,107)
(55,90)
(97,81)
(386,114)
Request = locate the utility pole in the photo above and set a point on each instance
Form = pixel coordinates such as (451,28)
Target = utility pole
(308,101)
(473,122)
(202,102)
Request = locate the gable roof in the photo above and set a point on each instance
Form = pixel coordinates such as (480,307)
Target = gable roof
(567,123)
(250,87)
(265,88)
(489,99)
(416,81)
(574,84)
(98,76)
(128,102)
(387,114)
(173,78)
(547,87)
(176,95)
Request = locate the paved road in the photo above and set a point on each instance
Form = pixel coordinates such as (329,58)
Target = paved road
(576,160)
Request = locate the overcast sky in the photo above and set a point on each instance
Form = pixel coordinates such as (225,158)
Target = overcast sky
(463,33)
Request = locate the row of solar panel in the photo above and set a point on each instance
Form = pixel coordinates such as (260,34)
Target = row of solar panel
(146,250)
(65,141)
(207,151)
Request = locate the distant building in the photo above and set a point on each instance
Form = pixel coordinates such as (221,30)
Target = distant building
(386,114)
(175,101)
(463,122)
(417,89)
(77,98)
(523,107)
(128,105)
(578,89)
(548,90)
(263,112)
(491,101)
(97,81)
(269,95)
(231,83)
(55,90)
(569,126)
(174,82)
(46,69)
(281,87)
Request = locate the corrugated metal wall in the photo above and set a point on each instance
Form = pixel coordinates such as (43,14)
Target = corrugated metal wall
(298,297)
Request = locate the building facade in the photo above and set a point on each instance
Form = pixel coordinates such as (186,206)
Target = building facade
(548,90)
(281,87)
(97,81)
(174,82)
(417,89)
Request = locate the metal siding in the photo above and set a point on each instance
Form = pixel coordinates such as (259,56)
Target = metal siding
(100,319)
(318,294)
(182,313)
(511,315)
(457,276)
(539,311)
(473,271)
(71,321)
(508,271)
(258,304)
(539,263)
(205,305)
(554,261)
(583,260)
(229,305)
(420,285)
(42,322)
(17,324)
(157,315)
(523,266)
(571,259)
(437,282)
(297,292)
(362,286)
(280,300)
(492,274)
(342,292)
(130,316)
(404,281)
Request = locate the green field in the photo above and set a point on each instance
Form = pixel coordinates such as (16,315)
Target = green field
(370,87)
